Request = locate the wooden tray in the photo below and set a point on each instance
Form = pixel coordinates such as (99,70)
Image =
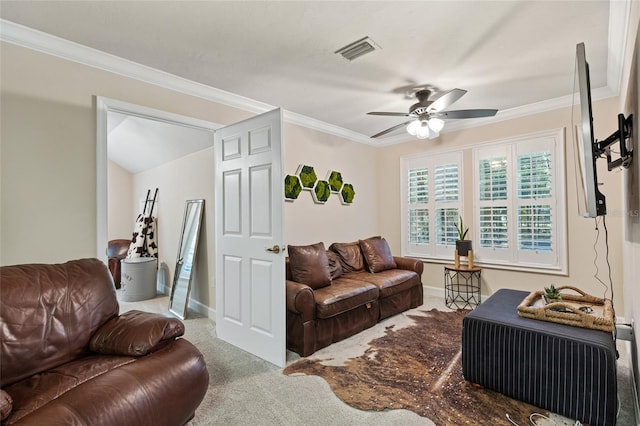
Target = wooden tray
(568,310)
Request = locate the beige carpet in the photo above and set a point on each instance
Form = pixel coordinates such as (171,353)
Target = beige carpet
(245,390)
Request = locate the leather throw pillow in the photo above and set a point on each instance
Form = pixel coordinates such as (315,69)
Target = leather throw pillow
(335,267)
(350,256)
(377,254)
(310,265)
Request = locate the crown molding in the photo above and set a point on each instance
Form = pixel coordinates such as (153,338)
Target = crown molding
(20,35)
(29,38)
(619,15)
(39,41)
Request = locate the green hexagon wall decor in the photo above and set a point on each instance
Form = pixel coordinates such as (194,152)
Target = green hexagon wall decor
(347,194)
(292,187)
(321,192)
(335,180)
(307,176)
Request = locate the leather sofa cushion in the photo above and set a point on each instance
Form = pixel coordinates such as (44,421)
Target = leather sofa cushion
(135,333)
(344,295)
(350,256)
(310,265)
(377,254)
(163,388)
(389,282)
(49,312)
(38,390)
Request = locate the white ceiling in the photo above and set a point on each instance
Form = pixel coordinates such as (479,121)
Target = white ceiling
(138,144)
(509,55)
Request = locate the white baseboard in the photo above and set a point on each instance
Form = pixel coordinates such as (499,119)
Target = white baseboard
(433,291)
(203,309)
(163,290)
(194,305)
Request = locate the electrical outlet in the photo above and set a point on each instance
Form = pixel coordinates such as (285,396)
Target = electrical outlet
(624,332)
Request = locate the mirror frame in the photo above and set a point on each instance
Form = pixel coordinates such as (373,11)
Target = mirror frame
(180,263)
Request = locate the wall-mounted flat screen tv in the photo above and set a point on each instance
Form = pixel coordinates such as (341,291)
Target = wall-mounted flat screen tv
(591,202)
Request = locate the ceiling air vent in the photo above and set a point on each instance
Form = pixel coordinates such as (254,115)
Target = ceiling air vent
(358,48)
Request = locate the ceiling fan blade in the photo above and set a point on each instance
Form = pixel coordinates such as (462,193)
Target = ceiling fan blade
(446,99)
(466,113)
(392,114)
(391,129)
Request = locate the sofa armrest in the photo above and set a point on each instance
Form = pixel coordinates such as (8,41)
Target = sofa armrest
(135,333)
(301,300)
(409,264)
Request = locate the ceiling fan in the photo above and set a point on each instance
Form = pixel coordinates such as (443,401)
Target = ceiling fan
(427,115)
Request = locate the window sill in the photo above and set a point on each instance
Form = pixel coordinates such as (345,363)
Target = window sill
(497,266)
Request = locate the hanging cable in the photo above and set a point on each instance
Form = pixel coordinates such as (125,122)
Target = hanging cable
(596,275)
(595,263)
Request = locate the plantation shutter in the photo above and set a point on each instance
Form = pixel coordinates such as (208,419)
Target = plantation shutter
(535,219)
(418,184)
(493,220)
(431,193)
(519,194)
(446,182)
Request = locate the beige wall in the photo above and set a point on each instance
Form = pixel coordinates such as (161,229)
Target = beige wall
(48,147)
(307,222)
(630,104)
(121,213)
(581,233)
(188,178)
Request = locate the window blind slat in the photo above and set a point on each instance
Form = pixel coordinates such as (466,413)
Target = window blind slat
(534,175)
(419,226)
(535,228)
(446,233)
(493,227)
(492,179)
(446,183)
(418,185)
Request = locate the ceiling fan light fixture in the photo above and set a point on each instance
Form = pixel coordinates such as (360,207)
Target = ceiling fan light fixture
(412,128)
(436,124)
(423,131)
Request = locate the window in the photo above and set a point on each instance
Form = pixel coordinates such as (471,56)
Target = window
(432,200)
(517,212)
(518,194)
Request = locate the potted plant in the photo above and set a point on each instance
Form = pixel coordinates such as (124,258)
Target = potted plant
(462,246)
(551,294)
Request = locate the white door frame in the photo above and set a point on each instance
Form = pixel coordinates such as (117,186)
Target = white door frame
(103,107)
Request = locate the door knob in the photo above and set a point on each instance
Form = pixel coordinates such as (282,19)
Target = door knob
(274,249)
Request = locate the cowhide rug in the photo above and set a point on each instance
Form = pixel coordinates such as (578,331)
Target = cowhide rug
(418,368)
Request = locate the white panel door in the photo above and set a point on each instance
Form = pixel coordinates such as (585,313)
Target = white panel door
(250,271)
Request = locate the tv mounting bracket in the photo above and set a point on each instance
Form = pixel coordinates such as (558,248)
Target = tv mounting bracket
(625,126)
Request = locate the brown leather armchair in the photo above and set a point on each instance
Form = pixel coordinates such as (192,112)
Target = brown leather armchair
(69,358)
(116,251)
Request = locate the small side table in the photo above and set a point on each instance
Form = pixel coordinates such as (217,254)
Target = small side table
(462,286)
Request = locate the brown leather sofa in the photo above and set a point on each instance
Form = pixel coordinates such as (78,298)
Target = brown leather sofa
(336,293)
(69,358)
(116,251)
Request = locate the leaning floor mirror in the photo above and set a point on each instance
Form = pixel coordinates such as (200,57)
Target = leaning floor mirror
(179,301)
